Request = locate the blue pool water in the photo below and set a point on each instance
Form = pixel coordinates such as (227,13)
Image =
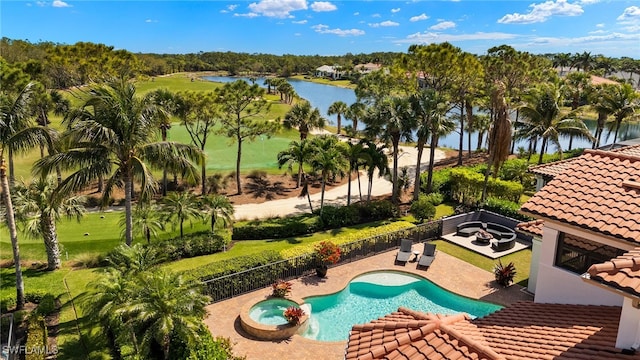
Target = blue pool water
(374,295)
(270,312)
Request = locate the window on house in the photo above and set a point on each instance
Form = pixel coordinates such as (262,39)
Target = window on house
(577,254)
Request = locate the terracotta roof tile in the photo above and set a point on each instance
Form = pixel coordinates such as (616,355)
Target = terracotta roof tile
(531,227)
(602,203)
(621,273)
(524,330)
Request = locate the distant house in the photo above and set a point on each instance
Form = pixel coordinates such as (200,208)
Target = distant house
(367,68)
(585,273)
(332,72)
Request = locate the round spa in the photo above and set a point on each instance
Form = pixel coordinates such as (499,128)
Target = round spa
(264,319)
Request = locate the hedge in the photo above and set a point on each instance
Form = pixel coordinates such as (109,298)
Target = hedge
(506,208)
(36,339)
(230,266)
(466,185)
(192,245)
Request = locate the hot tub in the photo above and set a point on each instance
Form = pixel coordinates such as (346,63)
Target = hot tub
(263,318)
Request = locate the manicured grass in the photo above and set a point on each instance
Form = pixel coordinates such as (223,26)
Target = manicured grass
(521,259)
(339,83)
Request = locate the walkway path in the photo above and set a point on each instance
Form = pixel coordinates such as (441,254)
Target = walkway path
(338,195)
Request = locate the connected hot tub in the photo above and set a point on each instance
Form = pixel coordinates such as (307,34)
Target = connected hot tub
(264,319)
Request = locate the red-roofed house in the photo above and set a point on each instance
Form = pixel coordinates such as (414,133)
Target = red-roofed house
(591,213)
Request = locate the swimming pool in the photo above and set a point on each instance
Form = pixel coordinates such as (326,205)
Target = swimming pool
(373,295)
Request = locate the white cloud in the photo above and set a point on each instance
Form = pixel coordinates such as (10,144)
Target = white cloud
(601,25)
(320,6)
(232,7)
(356,13)
(598,32)
(588,2)
(586,40)
(324,29)
(376,15)
(60,3)
(541,12)
(151,21)
(429,37)
(633,28)
(41,3)
(249,15)
(384,24)
(395,10)
(443,25)
(277,8)
(420,17)
(632,13)
(299,22)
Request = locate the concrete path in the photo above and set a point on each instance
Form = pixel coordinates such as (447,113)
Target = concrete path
(338,195)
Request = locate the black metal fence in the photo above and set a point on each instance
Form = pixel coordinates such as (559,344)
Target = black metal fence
(231,285)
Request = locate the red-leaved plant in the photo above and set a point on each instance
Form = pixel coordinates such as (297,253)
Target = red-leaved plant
(293,315)
(281,288)
(328,252)
(504,273)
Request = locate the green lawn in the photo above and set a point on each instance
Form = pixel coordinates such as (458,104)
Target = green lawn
(521,259)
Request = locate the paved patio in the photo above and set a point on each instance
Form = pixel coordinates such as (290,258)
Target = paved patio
(483,249)
(448,272)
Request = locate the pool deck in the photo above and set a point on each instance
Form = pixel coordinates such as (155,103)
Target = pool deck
(448,272)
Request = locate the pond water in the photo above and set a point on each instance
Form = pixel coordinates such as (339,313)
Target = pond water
(322,96)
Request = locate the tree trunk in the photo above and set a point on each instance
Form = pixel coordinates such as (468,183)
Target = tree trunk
(299,175)
(100,184)
(48,228)
(469,115)
(615,135)
(181,228)
(203,175)
(359,186)
(479,146)
(324,177)
(396,147)
(349,186)
(461,142)
(542,148)
(238,157)
(432,156)
(416,181)
(128,229)
(339,124)
(369,188)
(13,234)
(12,177)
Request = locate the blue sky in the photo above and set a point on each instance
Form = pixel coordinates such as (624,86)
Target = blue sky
(307,27)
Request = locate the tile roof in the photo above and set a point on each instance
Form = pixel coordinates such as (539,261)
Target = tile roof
(524,330)
(594,193)
(551,169)
(533,227)
(622,272)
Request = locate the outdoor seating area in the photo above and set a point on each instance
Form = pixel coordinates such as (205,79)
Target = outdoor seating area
(406,250)
(500,237)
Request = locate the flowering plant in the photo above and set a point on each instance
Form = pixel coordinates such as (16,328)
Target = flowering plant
(328,252)
(293,315)
(281,288)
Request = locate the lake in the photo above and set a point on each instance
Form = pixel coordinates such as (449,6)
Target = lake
(322,96)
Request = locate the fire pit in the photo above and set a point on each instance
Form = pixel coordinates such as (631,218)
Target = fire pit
(483,237)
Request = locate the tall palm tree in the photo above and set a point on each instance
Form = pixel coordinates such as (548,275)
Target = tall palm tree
(219,210)
(543,118)
(166,102)
(339,108)
(329,160)
(305,119)
(167,308)
(391,119)
(17,133)
(110,137)
(622,102)
(39,207)
(298,153)
(356,111)
(179,207)
(576,87)
(378,160)
(561,60)
(356,156)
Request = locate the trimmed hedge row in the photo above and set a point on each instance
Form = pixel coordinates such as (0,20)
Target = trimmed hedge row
(467,187)
(36,339)
(230,266)
(332,217)
(192,245)
(506,208)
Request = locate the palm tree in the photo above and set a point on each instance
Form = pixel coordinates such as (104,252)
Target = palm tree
(356,111)
(561,60)
(376,160)
(164,100)
(17,133)
(576,86)
(179,207)
(620,101)
(219,209)
(298,153)
(583,61)
(543,118)
(167,308)
(39,207)
(109,137)
(356,156)
(339,108)
(391,119)
(328,159)
(146,221)
(305,119)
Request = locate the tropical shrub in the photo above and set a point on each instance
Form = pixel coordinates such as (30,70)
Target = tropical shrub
(506,208)
(36,338)
(434,198)
(191,245)
(293,314)
(440,182)
(339,216)
(209,348)
(423,209)
(377,210)
(327,252)
(34,296)
(281,288)
(467,184)
(504,274)
(7,303)
(47,305)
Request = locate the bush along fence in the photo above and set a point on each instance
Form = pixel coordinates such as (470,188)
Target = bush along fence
(228,286)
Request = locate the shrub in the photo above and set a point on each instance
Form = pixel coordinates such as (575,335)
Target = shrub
(209,348)
(47,305)
(506,208)
(36,338)
(434,198)
(281,288)
(377,210)
(230,266)
(504,274)
(277,228)
(327,252)
(293,315)
(89,260)
(257,174)
(192,245)
(339,216)
(423,209)
(34,296)
(7,303)
(440,182)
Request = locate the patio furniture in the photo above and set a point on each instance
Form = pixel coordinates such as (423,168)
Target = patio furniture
(500,232)
(428,255)
(415,255)
(503,244)
(404,254)
(483,237)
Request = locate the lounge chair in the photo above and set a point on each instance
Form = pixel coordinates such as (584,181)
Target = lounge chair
(404,254)
(428,255)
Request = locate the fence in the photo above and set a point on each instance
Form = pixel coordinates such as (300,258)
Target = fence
(231,285)
(10,344)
